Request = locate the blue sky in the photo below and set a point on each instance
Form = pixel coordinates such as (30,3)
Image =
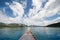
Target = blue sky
(30,12)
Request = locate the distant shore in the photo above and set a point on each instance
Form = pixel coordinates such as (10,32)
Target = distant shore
(14,25)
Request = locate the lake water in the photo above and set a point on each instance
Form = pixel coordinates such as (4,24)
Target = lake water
(41,33)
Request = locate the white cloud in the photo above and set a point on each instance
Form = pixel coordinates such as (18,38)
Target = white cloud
(35,18)
(52,21)
(7,3)
(3,18)
(24,3)
(51,8)
(36,7)
(49,3)
(18,11)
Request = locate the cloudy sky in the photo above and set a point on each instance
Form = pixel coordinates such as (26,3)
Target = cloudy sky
(30,12)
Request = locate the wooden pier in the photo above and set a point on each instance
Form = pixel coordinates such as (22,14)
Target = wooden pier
(28,35)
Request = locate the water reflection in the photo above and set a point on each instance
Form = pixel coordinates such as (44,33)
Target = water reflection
(46,33)
(11,33)
(41,33)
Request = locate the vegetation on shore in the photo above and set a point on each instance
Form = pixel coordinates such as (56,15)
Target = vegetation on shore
(11,25)
(54,25)
(2,25)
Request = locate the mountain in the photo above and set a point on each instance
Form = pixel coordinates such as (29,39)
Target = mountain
(12,25)
(54,25)
(23,25)
(34,26)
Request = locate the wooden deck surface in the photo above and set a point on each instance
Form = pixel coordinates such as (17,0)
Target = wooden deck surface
(28,35)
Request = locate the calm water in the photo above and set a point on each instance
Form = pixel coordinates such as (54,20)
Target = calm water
(41,33)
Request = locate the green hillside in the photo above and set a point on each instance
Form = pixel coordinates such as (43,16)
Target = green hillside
(12,25)
(54,25)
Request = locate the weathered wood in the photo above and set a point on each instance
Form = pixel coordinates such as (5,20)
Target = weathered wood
(28,35)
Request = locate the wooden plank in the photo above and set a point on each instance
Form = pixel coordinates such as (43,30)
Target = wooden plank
(28,35)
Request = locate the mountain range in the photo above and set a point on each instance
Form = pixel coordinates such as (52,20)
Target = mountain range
(23,25)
